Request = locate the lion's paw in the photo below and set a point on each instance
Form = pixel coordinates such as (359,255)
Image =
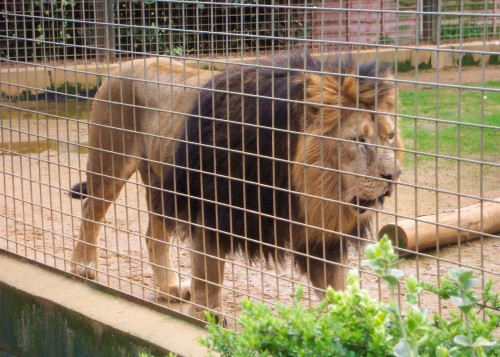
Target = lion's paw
(177,293)
(217,314)
(88,272)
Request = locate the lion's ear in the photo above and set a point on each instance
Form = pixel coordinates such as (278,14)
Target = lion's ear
(349,90)
(368,91)
(321,91)
(336,90)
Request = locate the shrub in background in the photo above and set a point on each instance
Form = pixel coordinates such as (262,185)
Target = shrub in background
(351,323)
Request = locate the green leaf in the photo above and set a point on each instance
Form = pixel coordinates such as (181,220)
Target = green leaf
(391,309)
(391,280)
(402,349)
(480,353)
(455,273)
(463,278)
(482,342)
(469,284)
(442,351)
(464,304)
(462,340)
(411,298)
(412,283)
(372,251)
(396,273)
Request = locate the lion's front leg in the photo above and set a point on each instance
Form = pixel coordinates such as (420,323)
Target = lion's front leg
(328,274)
(326,266)
(208,260)
(158,241)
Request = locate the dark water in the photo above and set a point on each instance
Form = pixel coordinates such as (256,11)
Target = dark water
(31,127)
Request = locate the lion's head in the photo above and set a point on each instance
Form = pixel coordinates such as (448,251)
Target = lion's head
(346,162)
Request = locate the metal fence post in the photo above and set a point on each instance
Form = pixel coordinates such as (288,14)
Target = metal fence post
(105,38)
(430,21)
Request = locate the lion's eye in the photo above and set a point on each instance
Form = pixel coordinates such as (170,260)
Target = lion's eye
(359,139)
(391,136)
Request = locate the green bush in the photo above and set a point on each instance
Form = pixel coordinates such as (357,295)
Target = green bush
(351,323)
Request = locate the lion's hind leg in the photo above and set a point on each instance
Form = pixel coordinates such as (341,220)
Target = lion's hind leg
(208,258)
(159,238)
(159,245)
(106,175)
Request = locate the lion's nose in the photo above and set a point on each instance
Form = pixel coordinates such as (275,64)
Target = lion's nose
(387,177)
(391,170)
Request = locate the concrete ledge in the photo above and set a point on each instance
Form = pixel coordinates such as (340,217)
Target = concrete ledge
(43,313)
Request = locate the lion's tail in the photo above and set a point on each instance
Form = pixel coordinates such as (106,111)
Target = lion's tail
(79,191)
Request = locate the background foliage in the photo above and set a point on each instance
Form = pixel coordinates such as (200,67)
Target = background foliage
(69,27)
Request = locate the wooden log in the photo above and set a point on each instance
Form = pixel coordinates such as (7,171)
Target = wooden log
(425,233)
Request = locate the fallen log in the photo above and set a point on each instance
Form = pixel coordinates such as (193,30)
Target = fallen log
(428,232)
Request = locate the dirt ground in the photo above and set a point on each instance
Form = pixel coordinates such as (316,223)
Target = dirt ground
(39,221)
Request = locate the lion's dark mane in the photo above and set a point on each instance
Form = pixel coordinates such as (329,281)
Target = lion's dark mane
(232,174)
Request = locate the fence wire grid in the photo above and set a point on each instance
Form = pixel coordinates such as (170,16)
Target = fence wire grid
(216,131)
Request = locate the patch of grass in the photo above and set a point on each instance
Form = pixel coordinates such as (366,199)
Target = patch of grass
(425,65)
(403,66)
(385,40)
(468,60)
(469,31)
(460,123)
(494,59)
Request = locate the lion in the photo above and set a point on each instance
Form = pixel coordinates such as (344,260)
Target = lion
(268,161)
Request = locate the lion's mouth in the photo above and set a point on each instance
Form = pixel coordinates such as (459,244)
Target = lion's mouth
(362,205)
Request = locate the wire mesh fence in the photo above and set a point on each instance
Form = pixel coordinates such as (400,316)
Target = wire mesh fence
(281,136)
